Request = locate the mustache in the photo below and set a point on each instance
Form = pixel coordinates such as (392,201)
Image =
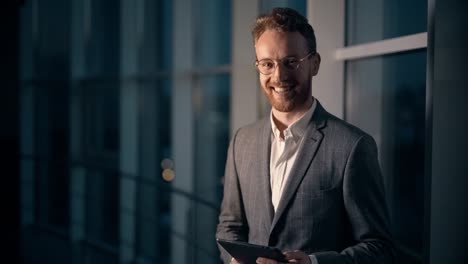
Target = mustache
(283,83)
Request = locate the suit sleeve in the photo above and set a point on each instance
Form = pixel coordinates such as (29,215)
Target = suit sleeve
(232,223)
(365,205)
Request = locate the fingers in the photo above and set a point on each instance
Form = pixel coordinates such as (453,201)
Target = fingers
(266,261)
(297,256)
(234,261)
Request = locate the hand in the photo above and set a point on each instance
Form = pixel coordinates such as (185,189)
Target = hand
(266,261)
(297,256)
(234,261)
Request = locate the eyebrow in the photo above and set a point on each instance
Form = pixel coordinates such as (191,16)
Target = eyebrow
(288,56)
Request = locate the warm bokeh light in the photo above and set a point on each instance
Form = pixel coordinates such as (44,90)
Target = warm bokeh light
(168,175)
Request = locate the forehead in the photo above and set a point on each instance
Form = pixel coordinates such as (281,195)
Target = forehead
(278,44)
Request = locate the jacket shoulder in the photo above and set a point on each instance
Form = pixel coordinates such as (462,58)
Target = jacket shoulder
(251,131)
(342,132)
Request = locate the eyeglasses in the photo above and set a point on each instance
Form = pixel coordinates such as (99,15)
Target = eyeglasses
(268,66)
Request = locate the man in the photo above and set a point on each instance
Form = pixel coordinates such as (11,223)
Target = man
(302,180)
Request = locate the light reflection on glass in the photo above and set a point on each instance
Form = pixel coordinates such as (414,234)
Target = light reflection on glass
(168,175)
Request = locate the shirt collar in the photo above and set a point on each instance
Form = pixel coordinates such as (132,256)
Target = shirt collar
(298,127)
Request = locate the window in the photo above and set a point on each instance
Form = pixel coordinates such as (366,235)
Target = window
(45,130)
(385,95)
(152,80)
(373,75)
(95,123)
(368,21)
(201,91)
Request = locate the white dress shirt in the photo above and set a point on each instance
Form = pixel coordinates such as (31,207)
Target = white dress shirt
(283,154)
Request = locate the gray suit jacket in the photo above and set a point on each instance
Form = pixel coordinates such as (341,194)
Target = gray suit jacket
(333,203)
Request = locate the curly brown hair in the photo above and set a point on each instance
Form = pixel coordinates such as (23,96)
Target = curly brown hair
(285,20)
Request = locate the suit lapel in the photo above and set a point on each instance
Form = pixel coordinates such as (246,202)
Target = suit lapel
(265,189)
(311,142)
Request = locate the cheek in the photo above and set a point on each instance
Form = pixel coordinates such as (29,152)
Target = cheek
(303,75)
(264,81)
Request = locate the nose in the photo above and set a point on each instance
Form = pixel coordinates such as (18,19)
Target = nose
(281,73)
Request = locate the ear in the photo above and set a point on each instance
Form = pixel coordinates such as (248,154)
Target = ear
(315,64)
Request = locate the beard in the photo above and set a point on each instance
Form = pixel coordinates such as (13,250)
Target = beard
(288,99)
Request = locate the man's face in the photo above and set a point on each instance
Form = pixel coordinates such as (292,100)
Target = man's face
(287,90)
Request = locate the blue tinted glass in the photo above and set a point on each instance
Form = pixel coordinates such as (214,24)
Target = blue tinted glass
(211,106)
(212,32)
(102,50)
(368,20)
(51,150)
(101,119)
(52,46)
(385,96)
(155,45)
(165,51)
(102,200)
(300,5)
(153,193)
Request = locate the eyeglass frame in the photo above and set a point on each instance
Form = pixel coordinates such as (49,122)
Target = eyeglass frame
(276,63)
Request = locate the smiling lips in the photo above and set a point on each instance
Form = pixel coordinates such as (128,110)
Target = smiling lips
(282,89)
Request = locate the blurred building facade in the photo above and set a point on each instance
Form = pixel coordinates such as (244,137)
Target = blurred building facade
(126,110)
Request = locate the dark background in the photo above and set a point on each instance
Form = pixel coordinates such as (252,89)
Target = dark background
(9,136)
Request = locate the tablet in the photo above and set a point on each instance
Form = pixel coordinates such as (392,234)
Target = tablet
(248,253)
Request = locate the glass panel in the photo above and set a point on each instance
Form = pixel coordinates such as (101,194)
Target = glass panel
(155,51)
(101,113)
(155,128)
(153,229)
(51,60)
(198,243)
(300,5)
(52,153)
(368,20)
(165,26)
(211,108)
(102,44)
(213,32)
(96,255)
(52,191)
(147,215)
(385,96)
(102,202)
(205,218)
(153,206)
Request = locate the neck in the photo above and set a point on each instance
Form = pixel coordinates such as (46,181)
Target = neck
(285,119)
